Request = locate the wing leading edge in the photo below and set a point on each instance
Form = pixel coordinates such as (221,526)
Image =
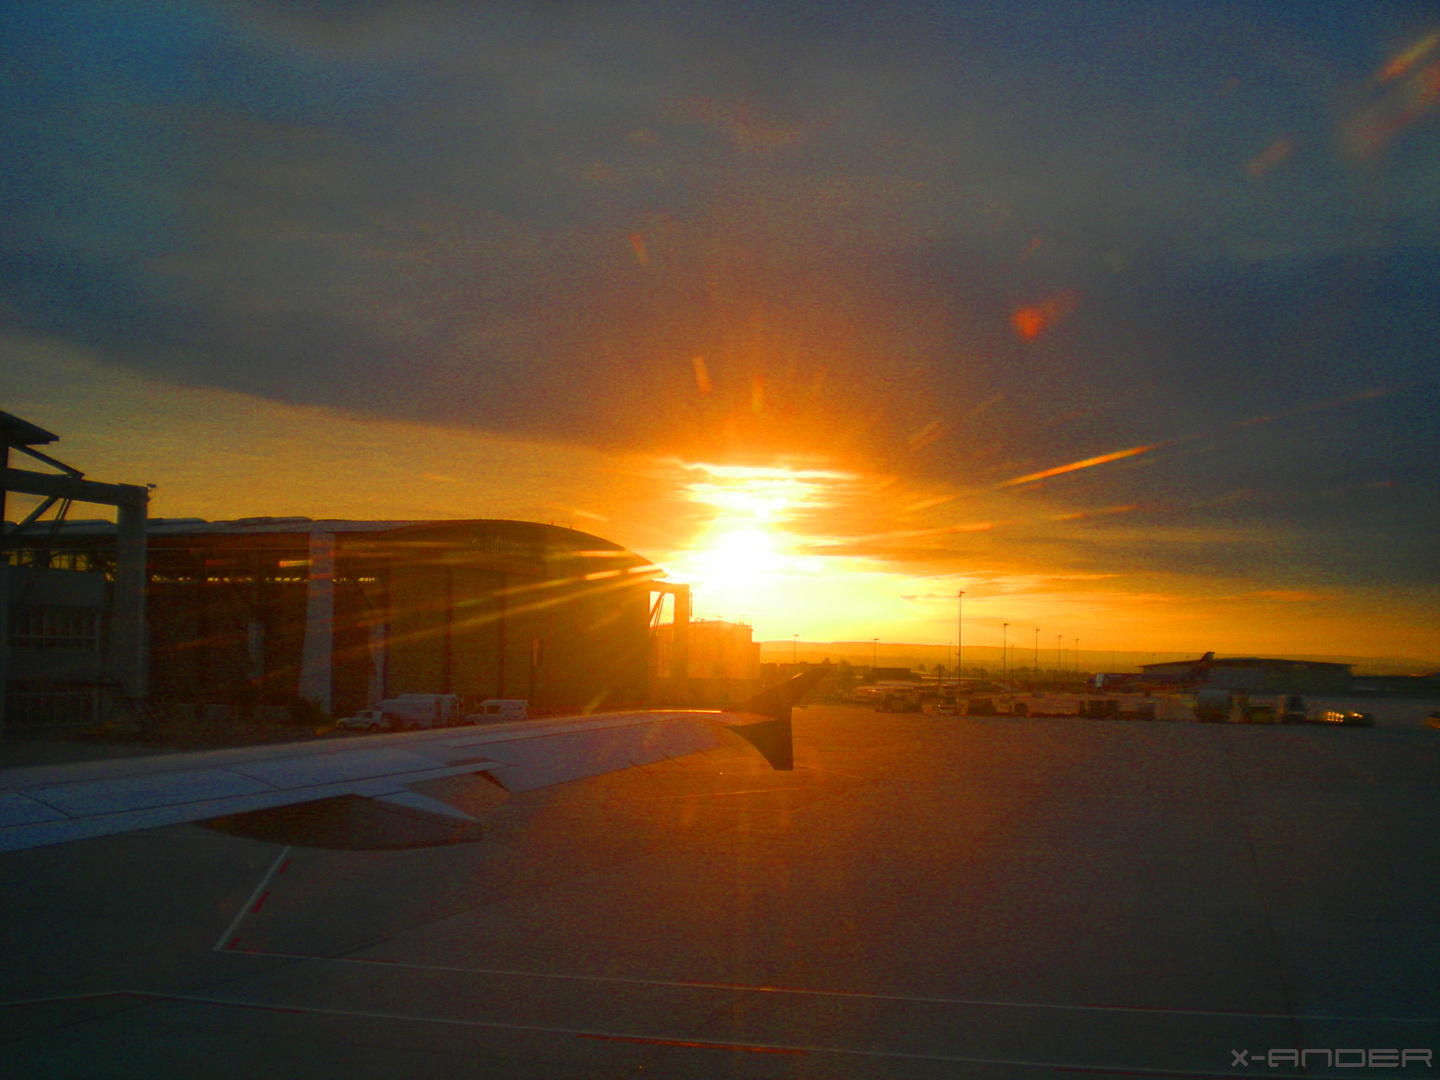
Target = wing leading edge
(357,793)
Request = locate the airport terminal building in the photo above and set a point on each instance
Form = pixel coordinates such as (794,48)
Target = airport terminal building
(1253,674)
(260,612)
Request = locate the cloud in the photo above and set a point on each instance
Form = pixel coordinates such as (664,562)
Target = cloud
(759,235)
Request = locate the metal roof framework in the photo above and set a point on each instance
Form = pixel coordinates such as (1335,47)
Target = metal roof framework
(126,657)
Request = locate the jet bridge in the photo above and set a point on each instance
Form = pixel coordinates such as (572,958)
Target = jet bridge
(125,655)
(680,642)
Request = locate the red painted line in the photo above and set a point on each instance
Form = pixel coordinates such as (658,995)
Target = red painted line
(261,902)
(694,1045)
(233,942)
(283,866)
(1186,1075)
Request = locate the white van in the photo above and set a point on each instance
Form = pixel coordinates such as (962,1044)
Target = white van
(496,710)
(419,711)
(367,720)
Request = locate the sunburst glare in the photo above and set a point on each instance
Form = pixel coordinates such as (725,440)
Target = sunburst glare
(746,557)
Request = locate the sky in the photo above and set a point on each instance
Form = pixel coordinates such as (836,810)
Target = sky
(1121,318)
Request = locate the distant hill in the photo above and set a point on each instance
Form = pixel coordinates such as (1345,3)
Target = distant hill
(1022,656)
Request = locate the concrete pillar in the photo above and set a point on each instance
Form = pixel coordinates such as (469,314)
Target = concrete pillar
(317,654)
(255,649)
(4,635)
(128,655)
(500,638)
(375,685)
(680,635)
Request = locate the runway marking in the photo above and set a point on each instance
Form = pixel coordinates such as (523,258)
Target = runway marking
(661,1040)
(756,988)
(228,939)
(693,1044)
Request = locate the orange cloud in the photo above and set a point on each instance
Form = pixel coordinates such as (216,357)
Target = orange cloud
(637,242)
(738,119)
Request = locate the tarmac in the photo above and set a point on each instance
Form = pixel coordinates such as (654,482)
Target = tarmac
(923,897)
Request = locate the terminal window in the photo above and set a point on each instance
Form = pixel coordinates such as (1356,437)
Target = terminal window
(54,628)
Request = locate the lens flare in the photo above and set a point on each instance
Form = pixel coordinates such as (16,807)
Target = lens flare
(1031,321)
(1075,466)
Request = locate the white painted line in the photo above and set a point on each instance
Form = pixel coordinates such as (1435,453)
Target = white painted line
(753,988)
(677,1042)
(55,999)
(223,943)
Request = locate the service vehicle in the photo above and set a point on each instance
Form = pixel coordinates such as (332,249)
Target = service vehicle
(1347,717)
(365,720)
(1218,705)
(1213,705)
(1290,709)
(410,711)
(497,710)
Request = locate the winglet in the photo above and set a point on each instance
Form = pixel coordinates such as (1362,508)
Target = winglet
(773,736)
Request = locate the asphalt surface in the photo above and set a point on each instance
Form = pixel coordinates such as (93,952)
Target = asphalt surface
(921,897)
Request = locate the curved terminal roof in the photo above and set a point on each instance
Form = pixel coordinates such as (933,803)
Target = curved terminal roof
(525,546)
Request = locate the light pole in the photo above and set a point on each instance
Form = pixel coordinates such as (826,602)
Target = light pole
(1058,668)
(874,653)
(1004,633)
(794,646)
(959,634)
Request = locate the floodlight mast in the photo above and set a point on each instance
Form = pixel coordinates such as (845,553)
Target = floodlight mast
(959,636)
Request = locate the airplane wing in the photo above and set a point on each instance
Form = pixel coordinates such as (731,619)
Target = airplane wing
(357,792)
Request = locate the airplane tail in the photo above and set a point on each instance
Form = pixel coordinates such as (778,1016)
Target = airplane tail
(772,735)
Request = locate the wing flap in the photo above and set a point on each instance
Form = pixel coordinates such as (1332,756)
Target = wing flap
(20,828)
(17,809)
(351,823)
(336,767)
(576,754)
(91,797)
(425,807)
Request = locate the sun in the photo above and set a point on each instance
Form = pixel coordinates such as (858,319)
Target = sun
(748,557)
(734,561)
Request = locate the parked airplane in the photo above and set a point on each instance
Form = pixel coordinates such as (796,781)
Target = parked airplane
(357,793)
